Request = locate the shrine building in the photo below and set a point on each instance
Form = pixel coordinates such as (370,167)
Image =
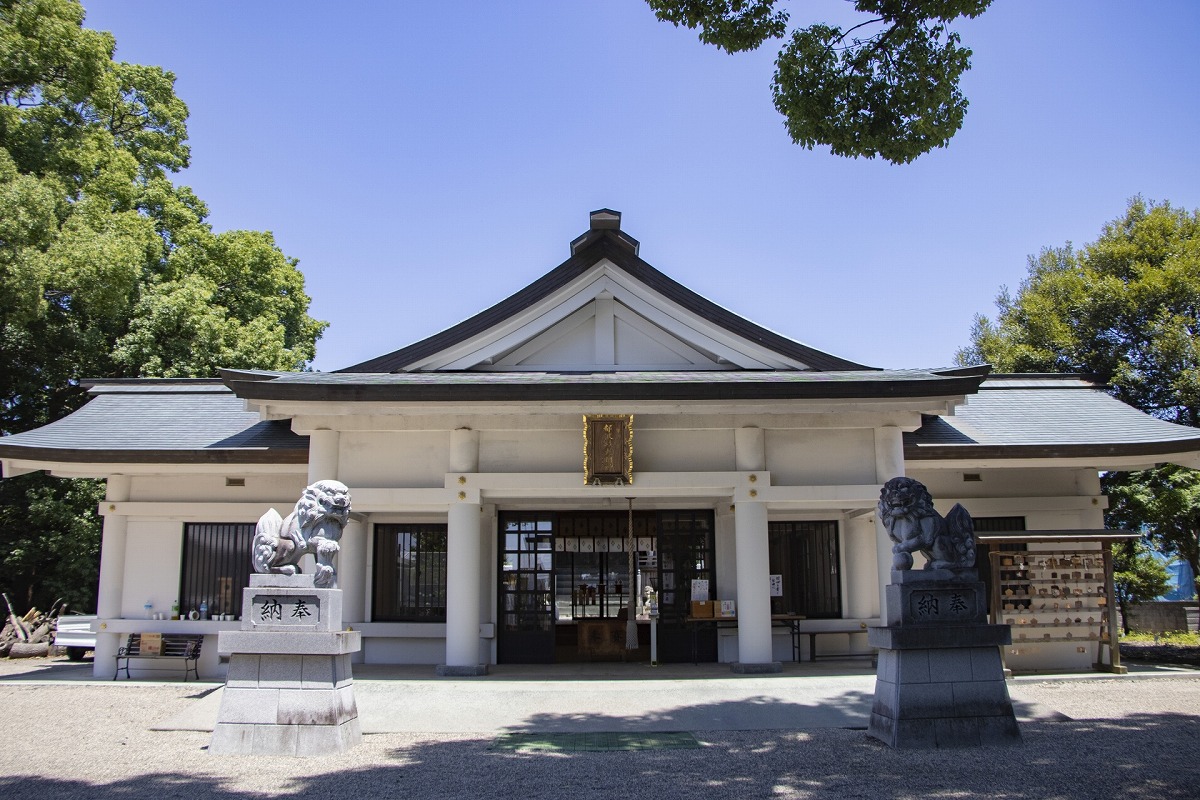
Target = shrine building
(521,479)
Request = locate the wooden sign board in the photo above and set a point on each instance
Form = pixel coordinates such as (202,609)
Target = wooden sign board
(608,449)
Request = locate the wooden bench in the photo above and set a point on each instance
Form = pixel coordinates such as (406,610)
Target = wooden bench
(175,646)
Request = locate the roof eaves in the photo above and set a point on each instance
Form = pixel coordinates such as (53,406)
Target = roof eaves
(288,455)
(720,388)
(949,452)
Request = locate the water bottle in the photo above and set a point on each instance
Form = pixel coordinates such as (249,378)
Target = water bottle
(175,610)
(149,610)
(203,609)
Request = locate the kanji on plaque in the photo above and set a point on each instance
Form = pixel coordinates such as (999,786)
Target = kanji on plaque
(286,610)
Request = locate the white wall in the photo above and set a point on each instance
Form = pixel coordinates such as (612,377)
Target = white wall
(283,488)
(381,459)
(153,560)
(1020,482)
(682,450)
(821,457)
(551,450)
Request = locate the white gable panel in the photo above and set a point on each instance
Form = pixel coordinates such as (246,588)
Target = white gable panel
(635,349)
(641,343)
(567,345)
(630,326)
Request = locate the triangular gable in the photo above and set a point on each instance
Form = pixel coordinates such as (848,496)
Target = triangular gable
(604,309)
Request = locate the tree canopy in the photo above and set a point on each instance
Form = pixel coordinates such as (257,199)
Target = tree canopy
(887,86)
(1138,576)
(107,268)
(1125,308)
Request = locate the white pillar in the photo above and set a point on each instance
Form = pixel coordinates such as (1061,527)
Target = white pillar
(464,450)
(110,597)
(462,589)
(352,571)
(889,463)
(862,595)
(753,589)
(749,449)
(323,465)
(323,455)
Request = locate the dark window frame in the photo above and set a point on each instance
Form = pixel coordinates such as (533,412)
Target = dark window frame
(215,566)
(807,553)
(393,597)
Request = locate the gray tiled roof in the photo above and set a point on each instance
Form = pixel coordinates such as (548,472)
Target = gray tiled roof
(193,421)
(1018,416)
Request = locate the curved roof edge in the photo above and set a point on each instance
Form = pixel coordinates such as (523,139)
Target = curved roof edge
(595,386)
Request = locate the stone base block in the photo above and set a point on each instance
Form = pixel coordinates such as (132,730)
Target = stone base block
(289,642)
(914,637)
(941,697)
(456,671)
(243,739)
(287,704)
(944,732)
(741,668)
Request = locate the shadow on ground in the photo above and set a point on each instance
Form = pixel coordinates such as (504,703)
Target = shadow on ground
(1146,756)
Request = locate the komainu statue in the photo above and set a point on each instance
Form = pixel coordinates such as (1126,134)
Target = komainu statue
(315,526)
(906,510)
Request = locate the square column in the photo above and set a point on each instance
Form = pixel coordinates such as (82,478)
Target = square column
(462,591)
(753,589)
(111,592)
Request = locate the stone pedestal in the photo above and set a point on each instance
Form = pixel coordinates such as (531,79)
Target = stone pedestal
(289,689)
(940,680)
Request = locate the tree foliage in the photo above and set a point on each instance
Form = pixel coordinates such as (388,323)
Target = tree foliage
(1138,574)
(107,268)
(887,86)
(1125,308)
(1165,502)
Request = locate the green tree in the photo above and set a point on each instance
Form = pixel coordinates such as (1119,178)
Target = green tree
(887,86)
(1166,503)
(1139,576)
(1125,308)
(107,268)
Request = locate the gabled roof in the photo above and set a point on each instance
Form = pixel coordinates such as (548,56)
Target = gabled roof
(605,309)
(182,421)
(1046,416)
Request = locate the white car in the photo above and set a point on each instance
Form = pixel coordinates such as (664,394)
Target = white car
(75,632)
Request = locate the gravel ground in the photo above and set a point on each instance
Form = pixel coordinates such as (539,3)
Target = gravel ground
(1123,737)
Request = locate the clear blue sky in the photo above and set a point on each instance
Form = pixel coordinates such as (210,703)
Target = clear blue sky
(424,160)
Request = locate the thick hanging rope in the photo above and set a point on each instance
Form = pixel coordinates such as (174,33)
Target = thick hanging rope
(631,637)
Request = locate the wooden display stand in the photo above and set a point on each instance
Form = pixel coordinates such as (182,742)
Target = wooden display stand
(1064,594)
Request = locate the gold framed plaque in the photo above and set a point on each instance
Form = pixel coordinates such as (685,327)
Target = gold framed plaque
(608,449)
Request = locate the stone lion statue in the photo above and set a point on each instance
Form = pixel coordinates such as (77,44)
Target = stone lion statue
(315,526)
(906,510)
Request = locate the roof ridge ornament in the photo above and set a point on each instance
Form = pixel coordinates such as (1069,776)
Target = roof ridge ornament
(605,223)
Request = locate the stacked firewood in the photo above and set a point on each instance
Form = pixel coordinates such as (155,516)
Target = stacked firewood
(31,635)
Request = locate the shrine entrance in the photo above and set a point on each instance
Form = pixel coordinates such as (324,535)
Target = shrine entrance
(565,589)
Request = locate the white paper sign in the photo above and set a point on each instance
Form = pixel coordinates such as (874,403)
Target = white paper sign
(776,586)
(699,590)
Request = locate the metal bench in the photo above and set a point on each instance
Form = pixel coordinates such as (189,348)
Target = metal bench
(175,646)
